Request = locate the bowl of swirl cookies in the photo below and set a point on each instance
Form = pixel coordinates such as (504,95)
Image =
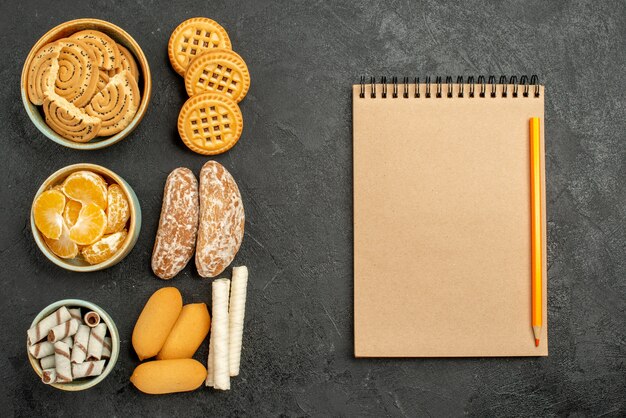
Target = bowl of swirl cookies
(85,218)
(86,84)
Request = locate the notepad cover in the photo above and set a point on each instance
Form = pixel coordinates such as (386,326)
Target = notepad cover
(442,245)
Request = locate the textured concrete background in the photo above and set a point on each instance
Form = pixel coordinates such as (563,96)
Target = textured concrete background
(293,166)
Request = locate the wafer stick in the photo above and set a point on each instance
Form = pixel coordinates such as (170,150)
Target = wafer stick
(221,372)
(106,348)
(88,369)
(49,376)
(62,363)
(210,375)
(236,315)
(81,341)
(47,362)
(43,327)
(42,349)
(75,313)
(64,330)
(69,341)
(96,342)
(92,319)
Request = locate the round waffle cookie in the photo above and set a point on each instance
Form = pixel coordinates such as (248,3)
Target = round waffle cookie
(77,79)
(116,104)
(193,37)
(210,123)
(42,73)
(218,71)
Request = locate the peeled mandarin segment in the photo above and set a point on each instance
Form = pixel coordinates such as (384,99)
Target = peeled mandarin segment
(42,73)
(104,48)
(71,211)
(218,71)
(105,248)
(78,72)
(47,211)
(192,38)
(118,209)
(63,247)
(168,376)
(89,226)
(68,120)
(116,104)
(210,123)
(189,331)
(127,62)
(156,321)
(86,187)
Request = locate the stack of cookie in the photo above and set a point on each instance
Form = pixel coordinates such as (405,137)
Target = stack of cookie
(87,85)
(216,79)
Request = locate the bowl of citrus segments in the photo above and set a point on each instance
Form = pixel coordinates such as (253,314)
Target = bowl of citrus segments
(85,218)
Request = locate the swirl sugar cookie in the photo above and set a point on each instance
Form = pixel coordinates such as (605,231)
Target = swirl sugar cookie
(116,104)
(68,120)
(192,38)
(218,71)
(127,62)
(104,48)
(42,73)
(77,79)
(210,123)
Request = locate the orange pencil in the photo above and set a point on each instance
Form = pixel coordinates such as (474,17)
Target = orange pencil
(535,234)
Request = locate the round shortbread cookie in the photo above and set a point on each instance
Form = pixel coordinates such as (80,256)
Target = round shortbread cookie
(103,47)
(193,37)
(77,79)
(210,123)
(218,71)
(68,120)
(116,104)
(42,72)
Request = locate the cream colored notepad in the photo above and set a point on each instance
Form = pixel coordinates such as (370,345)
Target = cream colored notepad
(442,262)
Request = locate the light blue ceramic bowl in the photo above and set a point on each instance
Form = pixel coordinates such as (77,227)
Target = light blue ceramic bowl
(81,384)
(134,226)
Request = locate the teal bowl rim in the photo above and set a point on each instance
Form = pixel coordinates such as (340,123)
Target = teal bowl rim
(115,344)
(119,35)
(133,230)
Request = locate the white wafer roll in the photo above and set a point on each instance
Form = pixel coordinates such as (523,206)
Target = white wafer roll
(75,313)
(62,363)
(88,369)
(221,370)
(92,319)
(81,341)
(210,375)
(47,362)
(106,347)
(43,327)
(64,330)
(236,315)
(49,376)
(69,341)
(96,342)
(43,349)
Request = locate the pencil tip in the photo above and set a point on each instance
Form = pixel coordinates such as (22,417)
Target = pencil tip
(536,342)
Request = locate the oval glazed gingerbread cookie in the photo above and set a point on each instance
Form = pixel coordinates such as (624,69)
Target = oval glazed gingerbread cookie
(222,220)
(210,123)
(218,71)
(193,37)
(178,225)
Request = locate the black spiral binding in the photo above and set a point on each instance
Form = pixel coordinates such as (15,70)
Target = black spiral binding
(524,82)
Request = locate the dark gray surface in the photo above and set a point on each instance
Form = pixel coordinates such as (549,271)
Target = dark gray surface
(293,166)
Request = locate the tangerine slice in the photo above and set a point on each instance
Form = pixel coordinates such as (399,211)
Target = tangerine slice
(86,187)
(90,225)
(105,248)
(71,212)
(47,211)
(118,209)
(63,247)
